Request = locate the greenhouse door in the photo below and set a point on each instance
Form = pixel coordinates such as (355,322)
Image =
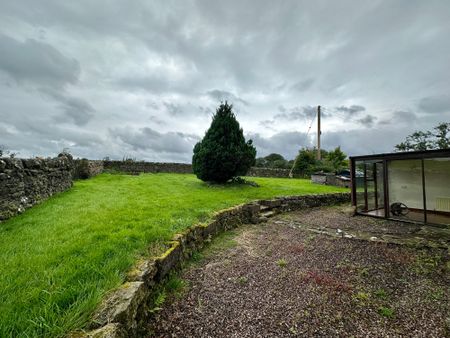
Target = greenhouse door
(374,188)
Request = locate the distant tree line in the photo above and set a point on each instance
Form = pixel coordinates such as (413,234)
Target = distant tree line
(306,161)
(438,138)
(275,161)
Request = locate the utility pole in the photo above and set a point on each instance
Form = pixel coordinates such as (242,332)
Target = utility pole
(319,157)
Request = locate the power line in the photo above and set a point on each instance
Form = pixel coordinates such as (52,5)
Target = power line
(310,125)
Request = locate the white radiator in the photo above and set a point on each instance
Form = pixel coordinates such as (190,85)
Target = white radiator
(443,203)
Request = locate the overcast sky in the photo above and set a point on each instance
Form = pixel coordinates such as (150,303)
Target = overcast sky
(142,79)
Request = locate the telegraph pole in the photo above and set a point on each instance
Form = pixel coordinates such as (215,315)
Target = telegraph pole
(319,157)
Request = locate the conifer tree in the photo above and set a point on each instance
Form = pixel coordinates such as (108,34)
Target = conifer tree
(223,152)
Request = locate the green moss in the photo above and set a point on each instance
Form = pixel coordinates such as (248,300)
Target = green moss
(173,246)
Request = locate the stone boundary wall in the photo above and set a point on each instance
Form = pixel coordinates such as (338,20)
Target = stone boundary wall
(268,172)
(181,168)
(95,167)
(124,309)
(26,182)
(147,167)
(85,168)
(330,179)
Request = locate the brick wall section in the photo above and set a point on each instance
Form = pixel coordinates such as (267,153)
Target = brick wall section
(26,182)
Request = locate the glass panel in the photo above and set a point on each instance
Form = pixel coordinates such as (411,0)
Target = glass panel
(359,181)
(379,182)
(369,187)
(437,188)
(405,190)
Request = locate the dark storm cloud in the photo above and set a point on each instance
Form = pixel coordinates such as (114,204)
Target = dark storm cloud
(36,62)
(352,110)
(222,95)
(149,139)
(435,104)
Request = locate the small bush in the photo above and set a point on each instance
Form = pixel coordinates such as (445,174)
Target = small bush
(282,263)
(386,312)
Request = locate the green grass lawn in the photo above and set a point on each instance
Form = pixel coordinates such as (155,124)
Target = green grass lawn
(59,258)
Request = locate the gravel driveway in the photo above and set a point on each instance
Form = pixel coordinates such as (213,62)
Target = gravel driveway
(283,279)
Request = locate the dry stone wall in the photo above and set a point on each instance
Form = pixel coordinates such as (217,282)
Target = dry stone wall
(26,182)
(268,172)
(85,168)
(127,309)
(133,167)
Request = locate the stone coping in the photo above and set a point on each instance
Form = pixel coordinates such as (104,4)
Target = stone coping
(123,309)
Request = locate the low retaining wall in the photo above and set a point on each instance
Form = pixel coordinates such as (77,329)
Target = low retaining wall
(122,312)
(26,182)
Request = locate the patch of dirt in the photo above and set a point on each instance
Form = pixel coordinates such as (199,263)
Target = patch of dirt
(286,281)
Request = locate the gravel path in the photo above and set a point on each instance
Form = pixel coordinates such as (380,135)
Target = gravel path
(282,280)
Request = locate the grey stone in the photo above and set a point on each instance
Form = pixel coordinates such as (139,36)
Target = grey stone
(111,330)
(122,306)
(26,182)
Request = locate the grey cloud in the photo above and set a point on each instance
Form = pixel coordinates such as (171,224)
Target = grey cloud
(150,139)
(399,117)
(75,109)
(352,110)
(153,84)
(282,108)
(284,143)
(206,110)
(222,95)
(175,52)
(303,85)
(173,109)
(156,120)
(297,113)
(435,104)
(367,121)
(38,139)
(353,142)
(36,62)
(268,124)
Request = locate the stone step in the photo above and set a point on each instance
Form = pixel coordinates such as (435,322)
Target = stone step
(268,214)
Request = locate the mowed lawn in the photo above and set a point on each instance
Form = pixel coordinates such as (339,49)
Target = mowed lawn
(59,258)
